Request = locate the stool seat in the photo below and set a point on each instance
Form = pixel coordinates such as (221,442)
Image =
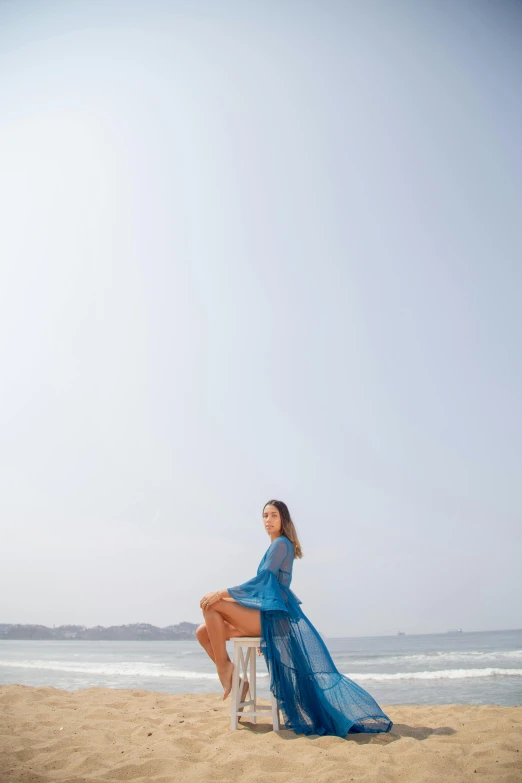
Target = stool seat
(241,665)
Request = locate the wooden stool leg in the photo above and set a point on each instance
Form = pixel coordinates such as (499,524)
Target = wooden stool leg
(275,713)
(235,695)
(245,667)
(252,652)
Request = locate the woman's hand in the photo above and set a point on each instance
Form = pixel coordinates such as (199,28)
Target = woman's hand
(209,599)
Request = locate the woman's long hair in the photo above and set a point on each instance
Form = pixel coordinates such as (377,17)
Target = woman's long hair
(287,526)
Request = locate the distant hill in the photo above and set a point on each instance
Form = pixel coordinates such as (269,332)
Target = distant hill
(133,632)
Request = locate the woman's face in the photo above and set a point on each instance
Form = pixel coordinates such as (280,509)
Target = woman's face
(272,520)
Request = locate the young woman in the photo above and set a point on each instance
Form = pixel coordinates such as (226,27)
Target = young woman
(314,697)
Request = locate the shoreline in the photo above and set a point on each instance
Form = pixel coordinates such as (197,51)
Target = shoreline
(111,734)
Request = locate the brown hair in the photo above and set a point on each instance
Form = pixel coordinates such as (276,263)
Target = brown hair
(287,526)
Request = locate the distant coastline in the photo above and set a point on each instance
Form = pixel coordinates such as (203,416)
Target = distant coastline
(145,631)
(132,632)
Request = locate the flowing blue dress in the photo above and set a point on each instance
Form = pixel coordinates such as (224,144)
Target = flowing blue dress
(314,697)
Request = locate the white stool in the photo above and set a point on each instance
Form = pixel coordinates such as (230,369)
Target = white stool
(241,668)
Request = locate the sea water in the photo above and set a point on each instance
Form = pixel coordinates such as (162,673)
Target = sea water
(483,667)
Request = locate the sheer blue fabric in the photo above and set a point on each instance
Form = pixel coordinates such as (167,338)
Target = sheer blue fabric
(315,698)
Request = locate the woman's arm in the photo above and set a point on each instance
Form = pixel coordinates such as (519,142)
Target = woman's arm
(273,562)
(263,591)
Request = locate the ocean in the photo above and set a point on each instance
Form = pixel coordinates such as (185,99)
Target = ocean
(482,667)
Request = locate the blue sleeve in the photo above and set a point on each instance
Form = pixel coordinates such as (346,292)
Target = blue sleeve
(277,555)
(264,591)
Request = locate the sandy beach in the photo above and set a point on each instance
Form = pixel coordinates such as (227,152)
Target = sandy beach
(104,734)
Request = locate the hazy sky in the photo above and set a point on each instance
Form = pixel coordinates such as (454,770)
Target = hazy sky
(255,250)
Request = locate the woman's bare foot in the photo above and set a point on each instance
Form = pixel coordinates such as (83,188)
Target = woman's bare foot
(243,695)
(225,673)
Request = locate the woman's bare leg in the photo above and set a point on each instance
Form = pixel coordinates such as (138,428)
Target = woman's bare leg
(246,622)
(217,635)
(204,640)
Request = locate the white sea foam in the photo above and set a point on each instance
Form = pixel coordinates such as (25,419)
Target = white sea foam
(438,660)
(441,674)
(441,657)
(121,669)
(142,669)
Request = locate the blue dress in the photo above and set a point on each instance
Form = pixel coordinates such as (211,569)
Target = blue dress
(314,697)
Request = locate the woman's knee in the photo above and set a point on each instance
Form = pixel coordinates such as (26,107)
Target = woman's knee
(201,632)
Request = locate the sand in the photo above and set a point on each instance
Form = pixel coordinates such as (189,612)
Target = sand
(106,734)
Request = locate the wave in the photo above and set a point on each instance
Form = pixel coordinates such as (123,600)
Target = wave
(441,658)
(113,669)
(142,669)
(441,674)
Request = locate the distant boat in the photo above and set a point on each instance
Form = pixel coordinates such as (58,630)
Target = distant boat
(401,633)
(454,630)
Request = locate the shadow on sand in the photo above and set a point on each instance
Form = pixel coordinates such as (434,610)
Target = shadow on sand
(398,731)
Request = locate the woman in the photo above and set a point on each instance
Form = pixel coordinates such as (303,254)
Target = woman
(314,697)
